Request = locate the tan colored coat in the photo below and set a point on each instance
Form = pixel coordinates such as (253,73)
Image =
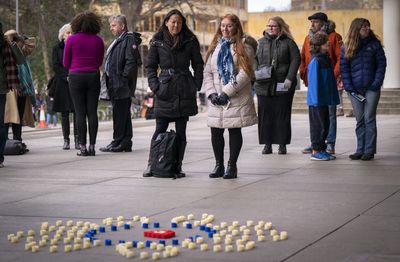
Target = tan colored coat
(11,115)
(241,111)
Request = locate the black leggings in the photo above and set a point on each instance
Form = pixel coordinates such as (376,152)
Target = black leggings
(180,127)
(85,90)
(65,124)
(218,143)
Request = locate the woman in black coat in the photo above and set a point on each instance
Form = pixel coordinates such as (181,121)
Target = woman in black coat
(275,95)
(173,49)
(59,90)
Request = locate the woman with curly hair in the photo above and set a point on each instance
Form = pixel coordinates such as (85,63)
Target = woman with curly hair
(83,56)
(227,81)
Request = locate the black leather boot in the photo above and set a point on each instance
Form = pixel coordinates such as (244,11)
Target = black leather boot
(267,149)
(82,151)
(66,144)
(282,150)
(108,147)
(91,150)
(147,172)
(181,154)
(231,171)
(218,171)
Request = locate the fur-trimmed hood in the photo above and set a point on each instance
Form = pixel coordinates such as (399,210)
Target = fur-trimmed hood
(328,28)
(250,41)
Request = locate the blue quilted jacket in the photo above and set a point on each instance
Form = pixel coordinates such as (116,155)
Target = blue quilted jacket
(322,90)
(366,69)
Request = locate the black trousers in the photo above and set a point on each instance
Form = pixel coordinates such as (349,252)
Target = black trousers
(17,128)
(180,127)
(218,143)
(122,122)
(3,129)
(65,124)
(85,90)
(319,126)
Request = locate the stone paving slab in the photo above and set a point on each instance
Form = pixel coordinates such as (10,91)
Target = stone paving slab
(340,210)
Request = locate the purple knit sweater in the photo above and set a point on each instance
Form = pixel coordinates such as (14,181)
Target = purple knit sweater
(83,52)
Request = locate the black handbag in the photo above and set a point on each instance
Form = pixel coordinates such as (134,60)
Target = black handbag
(264,72)
(15,147)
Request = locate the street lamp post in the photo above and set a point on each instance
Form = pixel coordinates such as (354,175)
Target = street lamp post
(17,16)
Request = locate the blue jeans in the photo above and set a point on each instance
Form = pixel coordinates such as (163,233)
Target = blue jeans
(3,129)
(331,138)
(365,113)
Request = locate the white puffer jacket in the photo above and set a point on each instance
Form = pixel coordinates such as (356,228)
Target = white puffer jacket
(241,111)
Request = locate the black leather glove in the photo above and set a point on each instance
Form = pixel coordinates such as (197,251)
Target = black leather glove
(214,99)
(223,99)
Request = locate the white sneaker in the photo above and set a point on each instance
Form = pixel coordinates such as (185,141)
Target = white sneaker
(1,165)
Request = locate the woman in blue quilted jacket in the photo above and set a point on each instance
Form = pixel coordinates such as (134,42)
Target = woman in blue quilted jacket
(363,66)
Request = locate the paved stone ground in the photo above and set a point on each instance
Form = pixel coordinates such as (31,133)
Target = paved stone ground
(340,210)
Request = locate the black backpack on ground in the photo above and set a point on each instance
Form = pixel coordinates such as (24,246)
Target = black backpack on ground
(15,147)
(164,155)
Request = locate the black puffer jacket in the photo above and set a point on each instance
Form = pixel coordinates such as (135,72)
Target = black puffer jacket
(175,87)
(124,59)
(61,95)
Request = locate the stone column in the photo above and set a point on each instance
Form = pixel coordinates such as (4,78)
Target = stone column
(391,37)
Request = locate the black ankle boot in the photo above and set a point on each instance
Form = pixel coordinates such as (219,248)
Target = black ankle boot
(231,171)
(66,144)
(91,151)
(218,171)
(179,171)
(282,150)
(147,172)
(267,150)
(181,154)
(82,151)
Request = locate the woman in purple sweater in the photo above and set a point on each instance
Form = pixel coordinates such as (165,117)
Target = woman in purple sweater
(83,56)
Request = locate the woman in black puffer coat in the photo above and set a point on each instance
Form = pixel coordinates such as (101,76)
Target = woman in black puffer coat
(59,89)
(173,49)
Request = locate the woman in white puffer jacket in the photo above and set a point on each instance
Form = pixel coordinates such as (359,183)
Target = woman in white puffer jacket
(227,81)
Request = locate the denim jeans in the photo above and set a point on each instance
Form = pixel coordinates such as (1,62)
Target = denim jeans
(331,138)
(365,113)
(3,129)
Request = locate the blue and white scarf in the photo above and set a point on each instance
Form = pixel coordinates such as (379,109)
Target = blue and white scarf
(225,65)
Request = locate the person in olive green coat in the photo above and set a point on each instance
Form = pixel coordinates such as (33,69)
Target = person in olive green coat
(275,94)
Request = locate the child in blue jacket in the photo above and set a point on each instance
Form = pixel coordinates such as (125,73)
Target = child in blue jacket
(322,92)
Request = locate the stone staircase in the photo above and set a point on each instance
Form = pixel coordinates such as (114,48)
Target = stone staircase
(389,103)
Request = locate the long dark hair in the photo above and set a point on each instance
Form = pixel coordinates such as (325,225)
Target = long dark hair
(352,41)
(174,42)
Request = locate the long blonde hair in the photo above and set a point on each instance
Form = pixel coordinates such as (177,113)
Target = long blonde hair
(283,26)
(353,37)
(238,47)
